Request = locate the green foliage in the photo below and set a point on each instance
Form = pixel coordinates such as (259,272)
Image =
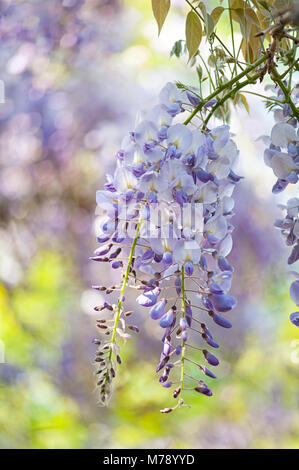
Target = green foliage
(207,19)
(193,33)
(216,14)
(160,10)
(255,27)
(177,48)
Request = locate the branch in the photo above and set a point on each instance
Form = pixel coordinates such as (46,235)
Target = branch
(229,95)
(289,69)
(226,85)
(277,32)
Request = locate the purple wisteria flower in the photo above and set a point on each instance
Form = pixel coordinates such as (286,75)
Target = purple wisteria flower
(283,157)
(164,220)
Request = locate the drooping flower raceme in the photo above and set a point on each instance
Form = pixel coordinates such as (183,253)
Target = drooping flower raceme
(283,157)
(165,223)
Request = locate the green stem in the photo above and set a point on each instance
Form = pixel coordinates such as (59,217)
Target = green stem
(227,50)
(276,78)
(226,85)
(289,69)
(227,96)
(268,98)
(183,342)
(290,80)
(216,66)
(208,72)
(124,284)
(232,35)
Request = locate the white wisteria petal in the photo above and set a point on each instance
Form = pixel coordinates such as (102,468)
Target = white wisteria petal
(170,94)
(180,136)
(105,203)
(278,115)
(171,169)
(221,137)
(226,189)
(268,155)
(292,207)
(124,179)
(229,151)
(282,134)
(105,226)
(161,183)
(227,204)
(282,164)
(207,194)
(187,251)
(148,181)
(159,115)
(160,245)
(198,140)
(146,131)
(186,182)
(217,226)
(192,218)
(220,168)
(226,246)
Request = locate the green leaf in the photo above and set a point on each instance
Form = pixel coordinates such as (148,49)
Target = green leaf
(245,26)
(199,73)
(256,4)
(176,49)
(160,9)
(236,99)
(251,16)
(209,25)
(245,103)
(181,86)
(234,4)
(216,13)
(208,19)
(212,61)
(193,33)
(251,48)
(203,9)
(264,5)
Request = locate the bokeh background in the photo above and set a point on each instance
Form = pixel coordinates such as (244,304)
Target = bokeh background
(75,74)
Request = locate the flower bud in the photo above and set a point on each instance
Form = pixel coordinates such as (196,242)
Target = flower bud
(210,358)
(157,310)
(167,319)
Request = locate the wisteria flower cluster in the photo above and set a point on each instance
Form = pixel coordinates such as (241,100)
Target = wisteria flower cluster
(283,157)
(165,223)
